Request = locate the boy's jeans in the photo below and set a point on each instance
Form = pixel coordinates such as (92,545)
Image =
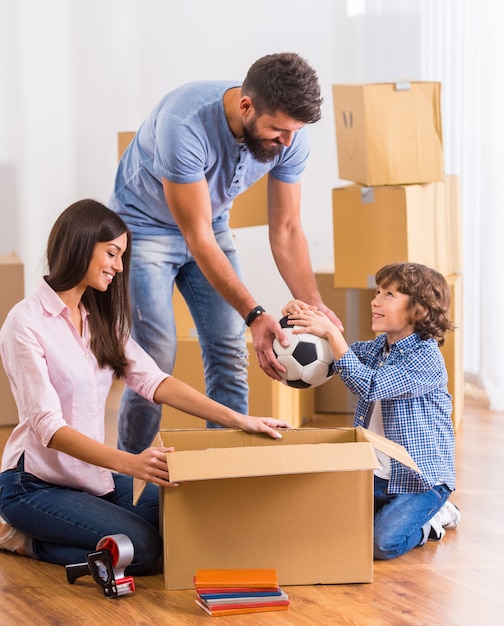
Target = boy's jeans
(399,518)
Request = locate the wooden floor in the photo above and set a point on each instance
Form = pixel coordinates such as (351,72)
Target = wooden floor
(457,582)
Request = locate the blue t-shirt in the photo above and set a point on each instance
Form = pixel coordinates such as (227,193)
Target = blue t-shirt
(185,139)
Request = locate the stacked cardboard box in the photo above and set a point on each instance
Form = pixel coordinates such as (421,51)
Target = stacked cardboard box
(389,133)
(12,290)
(401,205)
(374,226)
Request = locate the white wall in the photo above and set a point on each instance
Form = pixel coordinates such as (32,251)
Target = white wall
(75,72)
(78,72)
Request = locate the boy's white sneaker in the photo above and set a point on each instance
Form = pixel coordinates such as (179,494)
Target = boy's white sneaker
(449,516)
(436,532)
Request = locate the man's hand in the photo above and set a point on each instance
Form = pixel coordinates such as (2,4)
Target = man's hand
(264,329)
(332,316)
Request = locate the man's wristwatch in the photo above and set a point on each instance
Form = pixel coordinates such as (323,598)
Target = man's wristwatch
(256,311)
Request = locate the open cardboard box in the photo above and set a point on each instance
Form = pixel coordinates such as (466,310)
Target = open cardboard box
(302,505)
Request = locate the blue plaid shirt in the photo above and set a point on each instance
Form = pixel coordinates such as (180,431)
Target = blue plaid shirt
(416,406)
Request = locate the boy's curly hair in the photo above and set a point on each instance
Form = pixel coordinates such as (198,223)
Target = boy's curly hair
(429,297)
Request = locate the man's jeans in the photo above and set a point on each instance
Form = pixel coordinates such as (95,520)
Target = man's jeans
(399,518)
(66,524)
(157,262)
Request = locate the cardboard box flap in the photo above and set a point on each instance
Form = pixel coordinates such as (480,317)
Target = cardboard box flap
(215,463)
(202,439)
(390,448)
(138,483)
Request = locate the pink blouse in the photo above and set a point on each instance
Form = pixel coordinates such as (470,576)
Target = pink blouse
(56,382)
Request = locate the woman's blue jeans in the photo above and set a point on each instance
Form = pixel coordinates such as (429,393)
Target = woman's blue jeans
(157,263)
(66,524)
(399,518)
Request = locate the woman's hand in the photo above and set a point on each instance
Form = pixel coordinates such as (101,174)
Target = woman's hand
(267,425)
(150,465)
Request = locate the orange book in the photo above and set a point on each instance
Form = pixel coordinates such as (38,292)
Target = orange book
(229,578)
(243,590)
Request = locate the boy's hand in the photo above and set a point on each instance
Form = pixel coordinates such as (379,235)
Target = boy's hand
(317,323)
(295,306)
(313,322)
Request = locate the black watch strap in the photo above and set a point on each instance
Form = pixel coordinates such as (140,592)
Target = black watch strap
(256,311)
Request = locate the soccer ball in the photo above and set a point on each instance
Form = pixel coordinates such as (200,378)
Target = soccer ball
(308,359)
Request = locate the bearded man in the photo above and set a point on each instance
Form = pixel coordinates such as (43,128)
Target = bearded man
(203,144)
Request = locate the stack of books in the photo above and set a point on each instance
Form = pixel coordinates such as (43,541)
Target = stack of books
(232,591)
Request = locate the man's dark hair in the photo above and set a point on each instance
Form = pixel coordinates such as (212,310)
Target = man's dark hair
(284,83)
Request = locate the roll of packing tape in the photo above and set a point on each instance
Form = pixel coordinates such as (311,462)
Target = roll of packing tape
(121,549)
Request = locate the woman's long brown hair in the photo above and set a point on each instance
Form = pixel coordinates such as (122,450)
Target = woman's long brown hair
(69,251)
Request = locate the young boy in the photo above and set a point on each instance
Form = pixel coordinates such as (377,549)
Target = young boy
(400,379)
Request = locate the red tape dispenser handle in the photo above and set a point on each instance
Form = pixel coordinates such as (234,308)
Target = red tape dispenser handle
(106,565)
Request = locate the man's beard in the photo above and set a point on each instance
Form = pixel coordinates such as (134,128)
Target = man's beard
(256,147)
